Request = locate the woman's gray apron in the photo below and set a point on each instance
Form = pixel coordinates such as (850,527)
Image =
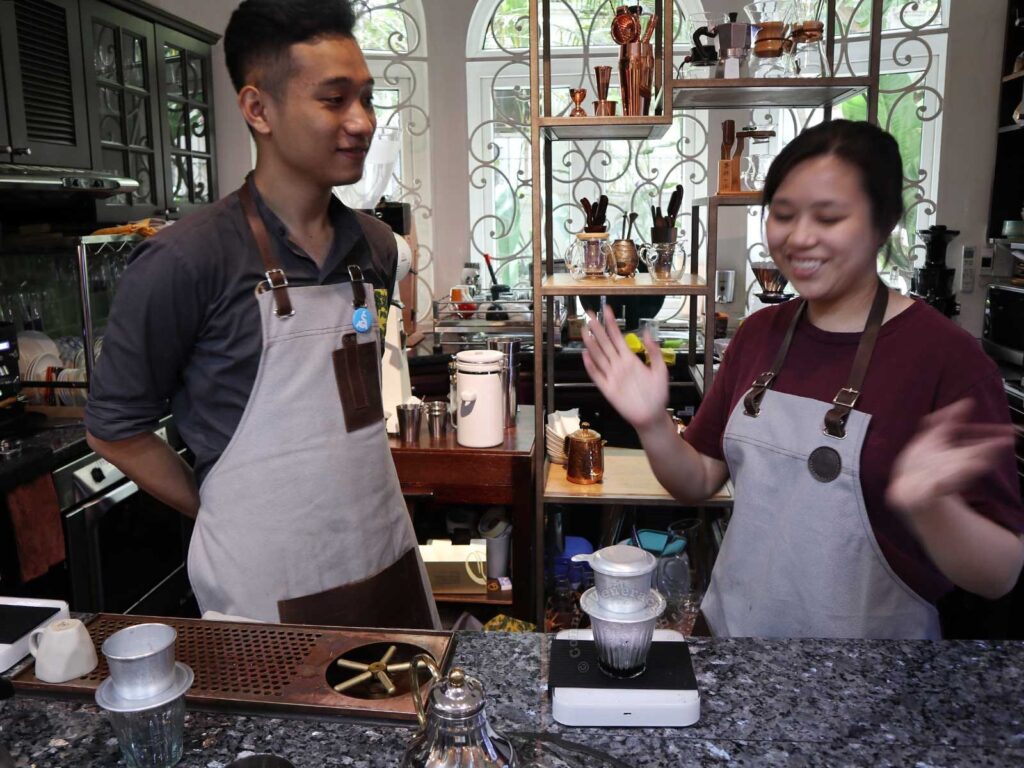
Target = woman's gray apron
(299,520)
(799,558)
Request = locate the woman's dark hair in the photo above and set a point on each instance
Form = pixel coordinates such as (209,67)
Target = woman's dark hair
(260,32)
(867,148)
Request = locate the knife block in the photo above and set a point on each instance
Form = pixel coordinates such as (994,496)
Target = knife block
(729,176)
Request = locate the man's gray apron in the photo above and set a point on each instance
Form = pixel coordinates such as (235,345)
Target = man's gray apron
(799,558)
(300,520)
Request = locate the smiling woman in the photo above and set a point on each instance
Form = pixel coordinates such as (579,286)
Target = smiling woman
(865,434)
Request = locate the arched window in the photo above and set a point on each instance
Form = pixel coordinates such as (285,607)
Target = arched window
(638,174)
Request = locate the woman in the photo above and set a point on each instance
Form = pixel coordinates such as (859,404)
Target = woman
(865,433)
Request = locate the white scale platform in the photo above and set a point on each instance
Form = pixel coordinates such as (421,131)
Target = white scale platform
(583,695)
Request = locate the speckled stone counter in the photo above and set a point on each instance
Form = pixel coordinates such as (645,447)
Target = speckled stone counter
(764,703)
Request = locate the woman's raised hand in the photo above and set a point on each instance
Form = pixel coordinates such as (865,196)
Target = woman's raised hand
(637,391)
(947,454)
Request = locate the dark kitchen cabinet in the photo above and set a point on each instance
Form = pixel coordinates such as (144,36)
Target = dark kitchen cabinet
(42,92)
(186,106)
(151,116)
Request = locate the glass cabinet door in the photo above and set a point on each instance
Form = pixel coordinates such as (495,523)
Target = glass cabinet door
(120,63)
(186,103)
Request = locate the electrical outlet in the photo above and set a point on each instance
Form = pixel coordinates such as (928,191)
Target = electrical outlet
(967,270)
(985,261)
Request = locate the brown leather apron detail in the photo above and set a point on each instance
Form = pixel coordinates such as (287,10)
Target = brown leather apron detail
(393,598)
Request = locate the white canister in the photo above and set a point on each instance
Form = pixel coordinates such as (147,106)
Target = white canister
(481,420)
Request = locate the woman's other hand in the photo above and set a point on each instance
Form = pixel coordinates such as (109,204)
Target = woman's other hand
(947,454)
(637,391)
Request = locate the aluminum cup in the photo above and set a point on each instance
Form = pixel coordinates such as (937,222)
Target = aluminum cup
(141,660)
(622,594)
(409,416)
(437,419)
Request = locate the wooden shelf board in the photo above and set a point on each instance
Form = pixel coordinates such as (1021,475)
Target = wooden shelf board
(741,199)
(563,284)
(765,92)
(628,479)
(478,598)
(605,128)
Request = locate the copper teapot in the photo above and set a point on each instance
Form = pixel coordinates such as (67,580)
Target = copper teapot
(454,731)
(584,450)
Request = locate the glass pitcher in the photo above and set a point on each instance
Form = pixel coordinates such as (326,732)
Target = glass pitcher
(666,261)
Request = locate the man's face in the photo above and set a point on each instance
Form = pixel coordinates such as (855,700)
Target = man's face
(323,121)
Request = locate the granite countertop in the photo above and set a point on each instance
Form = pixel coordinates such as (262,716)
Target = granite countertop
(764,702)
(46,447)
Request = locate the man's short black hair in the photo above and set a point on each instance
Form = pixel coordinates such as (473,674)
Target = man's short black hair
(260,33)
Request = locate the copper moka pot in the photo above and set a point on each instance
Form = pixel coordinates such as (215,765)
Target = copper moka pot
(584,450)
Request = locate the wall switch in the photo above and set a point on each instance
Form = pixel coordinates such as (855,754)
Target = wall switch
(967,270)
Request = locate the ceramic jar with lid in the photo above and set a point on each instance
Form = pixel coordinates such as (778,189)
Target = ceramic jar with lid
(480,398)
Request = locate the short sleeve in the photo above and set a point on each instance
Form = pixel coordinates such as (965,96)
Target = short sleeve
(708,426)
(154,322)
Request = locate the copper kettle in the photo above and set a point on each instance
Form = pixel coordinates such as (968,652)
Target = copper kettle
(454,732)
(584,450)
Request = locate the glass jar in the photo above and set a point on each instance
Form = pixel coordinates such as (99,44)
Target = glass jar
(589,257)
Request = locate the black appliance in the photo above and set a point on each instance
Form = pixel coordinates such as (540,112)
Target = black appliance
(10,382)
(934,281)
(1002,334)
(126,551)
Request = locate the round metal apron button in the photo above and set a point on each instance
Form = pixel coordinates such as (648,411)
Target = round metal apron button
(825,464)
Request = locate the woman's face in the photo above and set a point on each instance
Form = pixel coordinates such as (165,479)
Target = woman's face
(820,232)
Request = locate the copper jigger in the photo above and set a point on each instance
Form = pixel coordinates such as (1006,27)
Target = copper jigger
(636,76)
(604,108)
(577,95)
(604,79)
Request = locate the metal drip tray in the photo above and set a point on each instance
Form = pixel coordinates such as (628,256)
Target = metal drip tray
(268,667)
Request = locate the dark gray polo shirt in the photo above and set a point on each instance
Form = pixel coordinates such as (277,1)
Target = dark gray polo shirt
(184,330)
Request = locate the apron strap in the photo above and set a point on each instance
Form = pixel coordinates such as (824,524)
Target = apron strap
(752,400)
(275,275)
(846,398)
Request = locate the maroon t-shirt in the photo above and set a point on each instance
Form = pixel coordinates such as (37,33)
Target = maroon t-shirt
(921,362)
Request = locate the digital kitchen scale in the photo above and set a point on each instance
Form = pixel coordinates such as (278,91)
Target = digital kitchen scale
(19,618)
(664,696)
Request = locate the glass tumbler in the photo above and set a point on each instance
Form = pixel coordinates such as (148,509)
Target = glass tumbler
(151,738)
(666,261)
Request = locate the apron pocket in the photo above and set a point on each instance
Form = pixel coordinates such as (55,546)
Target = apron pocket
(394,598)
(358,379)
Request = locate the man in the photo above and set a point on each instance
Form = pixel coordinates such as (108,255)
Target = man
(254,319)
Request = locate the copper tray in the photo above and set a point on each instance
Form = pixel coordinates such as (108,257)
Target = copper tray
(270,667)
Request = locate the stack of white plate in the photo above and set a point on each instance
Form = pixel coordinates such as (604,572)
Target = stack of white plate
(71,395)
(36,353)
(555,446)
(560,424)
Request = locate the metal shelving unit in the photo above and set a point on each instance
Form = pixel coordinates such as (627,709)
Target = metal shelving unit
(628,477)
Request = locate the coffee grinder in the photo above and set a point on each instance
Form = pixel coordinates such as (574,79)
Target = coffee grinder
(934,281)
